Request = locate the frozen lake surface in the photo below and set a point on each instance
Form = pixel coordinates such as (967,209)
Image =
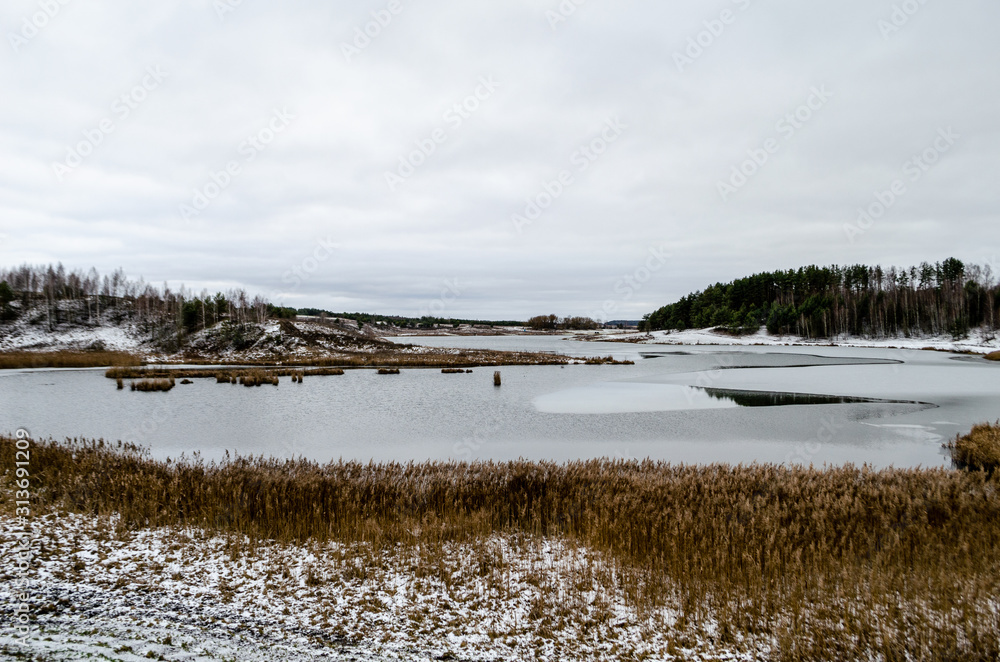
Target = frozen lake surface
(690,404)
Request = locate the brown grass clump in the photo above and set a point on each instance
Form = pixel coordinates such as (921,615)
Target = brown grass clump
(496,378)
(978,450)
(120,383)
(839,563)
(454,371)
(258,377)
(66,359)
(993,356)
(153,385)
(388,371)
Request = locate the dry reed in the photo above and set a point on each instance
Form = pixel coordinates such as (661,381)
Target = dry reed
(388,371)
(840,563)
(978,450)
(258,377)
(496,378)
(993,356)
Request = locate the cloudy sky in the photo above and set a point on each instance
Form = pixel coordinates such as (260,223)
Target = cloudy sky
(495,159)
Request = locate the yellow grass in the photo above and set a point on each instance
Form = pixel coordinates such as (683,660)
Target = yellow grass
(993,356)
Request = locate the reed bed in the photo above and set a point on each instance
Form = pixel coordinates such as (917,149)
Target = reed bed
(839,563)
(148,385)
(993,356)
(10,360)
(388,371)
(454,371)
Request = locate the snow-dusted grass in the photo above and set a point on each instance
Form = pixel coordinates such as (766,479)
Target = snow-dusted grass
(181,593)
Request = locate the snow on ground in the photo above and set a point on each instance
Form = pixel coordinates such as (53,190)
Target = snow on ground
(21,335)
(979,340)
(174,594)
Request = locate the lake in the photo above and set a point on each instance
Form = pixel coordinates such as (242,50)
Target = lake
(693,404)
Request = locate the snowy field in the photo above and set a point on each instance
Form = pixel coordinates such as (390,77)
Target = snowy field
(174,594)
(979,340)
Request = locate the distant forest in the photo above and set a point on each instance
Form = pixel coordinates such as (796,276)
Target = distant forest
(157,310)
(821,302)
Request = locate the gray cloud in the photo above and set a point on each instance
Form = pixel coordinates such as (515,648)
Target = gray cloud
(324,176)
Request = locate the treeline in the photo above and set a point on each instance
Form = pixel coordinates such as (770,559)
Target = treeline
(554,322)
(159,311)
(407,322)
(821,302)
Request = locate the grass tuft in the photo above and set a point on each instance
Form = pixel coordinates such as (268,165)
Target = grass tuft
(978,450)
(153,385)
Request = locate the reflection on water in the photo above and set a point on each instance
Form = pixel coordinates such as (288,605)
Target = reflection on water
(777,399)
(622,398)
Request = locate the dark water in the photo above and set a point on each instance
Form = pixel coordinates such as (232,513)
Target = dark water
(699,404)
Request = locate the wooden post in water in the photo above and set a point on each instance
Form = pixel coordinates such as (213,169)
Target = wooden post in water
(496,378)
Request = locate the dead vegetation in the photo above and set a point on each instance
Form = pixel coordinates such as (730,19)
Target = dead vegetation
(840,563)
(993,356)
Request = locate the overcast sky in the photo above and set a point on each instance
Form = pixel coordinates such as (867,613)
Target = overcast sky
(497,159)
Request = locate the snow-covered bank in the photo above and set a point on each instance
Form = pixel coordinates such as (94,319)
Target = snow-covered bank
(978,340)
(174,594)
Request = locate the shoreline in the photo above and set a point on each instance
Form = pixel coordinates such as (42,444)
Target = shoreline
(979,341)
